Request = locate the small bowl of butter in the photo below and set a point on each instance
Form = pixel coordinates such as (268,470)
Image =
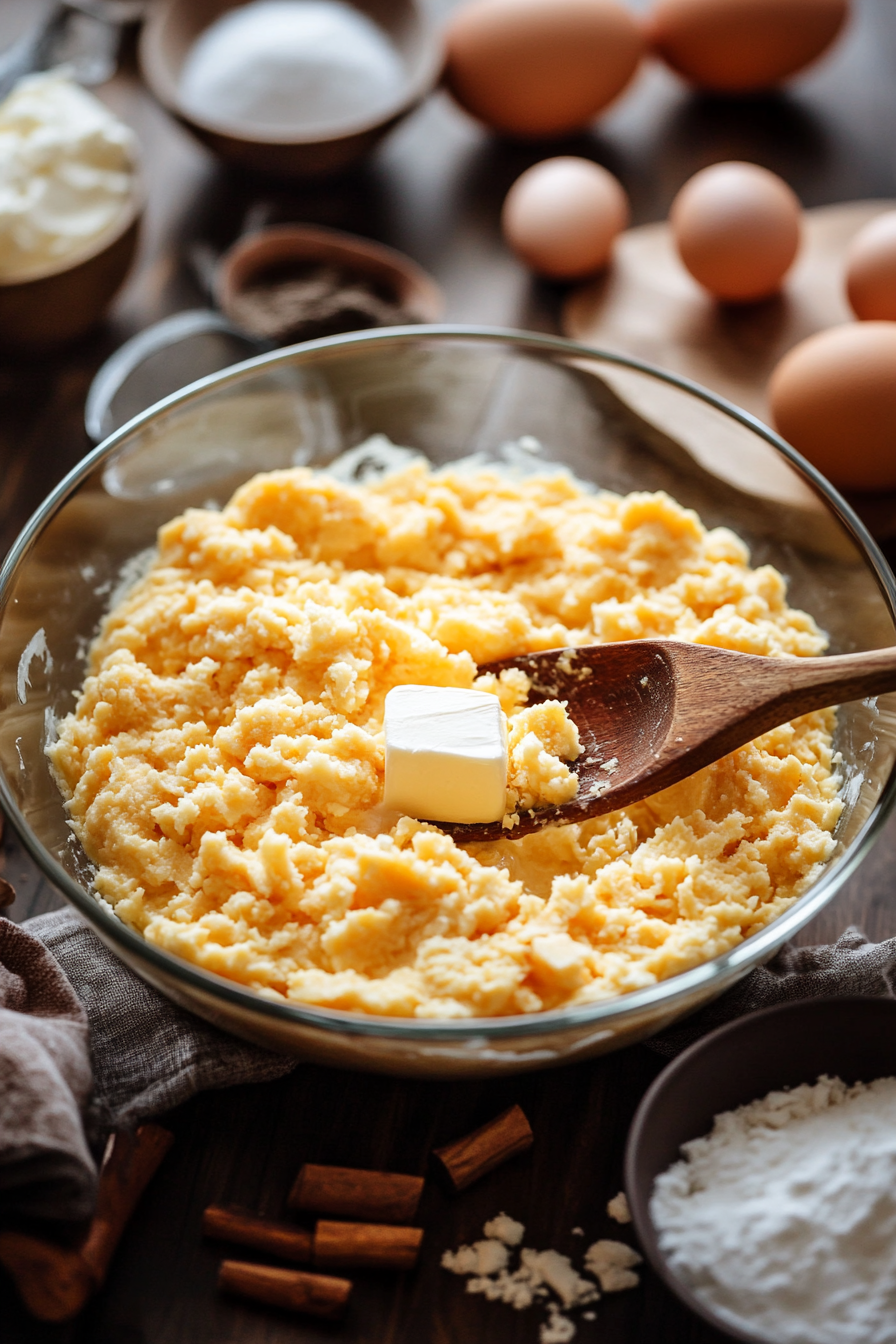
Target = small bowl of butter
(70,206)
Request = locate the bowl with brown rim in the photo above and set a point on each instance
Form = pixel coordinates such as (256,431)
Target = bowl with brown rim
(173,26)
(59,302)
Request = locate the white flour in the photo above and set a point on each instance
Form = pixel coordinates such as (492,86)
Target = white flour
(783,1219)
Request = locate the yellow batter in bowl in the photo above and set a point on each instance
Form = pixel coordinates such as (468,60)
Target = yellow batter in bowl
(224,764)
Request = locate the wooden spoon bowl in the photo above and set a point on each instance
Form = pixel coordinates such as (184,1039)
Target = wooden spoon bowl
(650,712)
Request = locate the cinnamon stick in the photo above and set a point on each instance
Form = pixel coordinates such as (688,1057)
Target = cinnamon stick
(371,1196)
(365,1246)
(54,1281)
(315,1294)
(263,1234)
(468,1158)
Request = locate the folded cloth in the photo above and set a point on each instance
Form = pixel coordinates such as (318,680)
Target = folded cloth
(46,1169)
(851,966)
(147,1054)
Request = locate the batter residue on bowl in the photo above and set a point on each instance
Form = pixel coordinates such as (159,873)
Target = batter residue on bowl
(224,765)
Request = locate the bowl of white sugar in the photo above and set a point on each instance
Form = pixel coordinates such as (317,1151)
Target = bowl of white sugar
(291,87)
(761,1174)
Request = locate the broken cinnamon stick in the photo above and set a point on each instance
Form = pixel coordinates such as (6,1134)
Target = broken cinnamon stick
(315,1294)
(365,1246)
(467,1159)
(263,1234)
(55,1282)
(370,1196)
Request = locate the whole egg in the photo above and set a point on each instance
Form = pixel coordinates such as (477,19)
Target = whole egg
(737,228)
(871,269)
(734,46)
(833,397)
(538,68)
(562,216)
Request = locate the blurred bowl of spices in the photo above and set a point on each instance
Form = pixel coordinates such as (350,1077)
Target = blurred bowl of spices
(294,283)
(291,87)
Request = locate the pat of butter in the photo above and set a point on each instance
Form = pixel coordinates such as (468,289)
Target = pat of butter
(446,754)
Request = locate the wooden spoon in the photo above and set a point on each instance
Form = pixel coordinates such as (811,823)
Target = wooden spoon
(652,711)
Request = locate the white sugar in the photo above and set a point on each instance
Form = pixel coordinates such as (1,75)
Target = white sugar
(291,65)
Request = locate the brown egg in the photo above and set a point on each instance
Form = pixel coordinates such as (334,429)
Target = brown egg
(737,229)
(733,46)
(871,270)
(833,397)
(562,215)
(534,68)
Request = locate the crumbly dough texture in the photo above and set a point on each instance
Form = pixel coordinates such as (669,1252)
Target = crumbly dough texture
(224,764)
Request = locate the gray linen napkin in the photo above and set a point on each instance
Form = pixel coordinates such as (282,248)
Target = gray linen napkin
(46,1169)
(850,966)
(147,1054)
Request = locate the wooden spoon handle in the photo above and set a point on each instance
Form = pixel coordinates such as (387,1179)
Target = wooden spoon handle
(726,699)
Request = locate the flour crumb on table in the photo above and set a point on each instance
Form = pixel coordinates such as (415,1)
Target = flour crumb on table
(618,1208)
(611,1262)
(541,1276)
(506,1229)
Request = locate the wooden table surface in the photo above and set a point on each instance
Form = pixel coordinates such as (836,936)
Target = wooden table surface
(433,189)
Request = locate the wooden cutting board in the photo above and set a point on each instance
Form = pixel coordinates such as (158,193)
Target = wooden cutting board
(648,305)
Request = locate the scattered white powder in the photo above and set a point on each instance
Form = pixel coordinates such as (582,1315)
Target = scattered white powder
(540,1274)
(618,1208)
(783,1218)
(291,65)
(557,1329)
(67,173)
(611,1262)
(506,1229)
(483,1257)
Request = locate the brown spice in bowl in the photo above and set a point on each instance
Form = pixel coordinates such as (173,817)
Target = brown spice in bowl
(307,301)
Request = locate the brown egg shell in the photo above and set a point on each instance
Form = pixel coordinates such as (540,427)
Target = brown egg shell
(833,397)
(871,270)
(737,228)
(738,46)
(539,68)
(562,216)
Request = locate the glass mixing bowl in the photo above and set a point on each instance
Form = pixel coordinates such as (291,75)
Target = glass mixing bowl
(448,392)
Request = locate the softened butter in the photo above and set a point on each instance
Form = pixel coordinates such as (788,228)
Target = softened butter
(67,174)
(446,754)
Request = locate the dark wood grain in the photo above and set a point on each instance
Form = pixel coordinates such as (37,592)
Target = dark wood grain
(433,189)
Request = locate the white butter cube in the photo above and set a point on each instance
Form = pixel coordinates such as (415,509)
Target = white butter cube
(446,754)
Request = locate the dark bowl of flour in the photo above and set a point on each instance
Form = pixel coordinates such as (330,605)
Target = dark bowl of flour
(761,1174)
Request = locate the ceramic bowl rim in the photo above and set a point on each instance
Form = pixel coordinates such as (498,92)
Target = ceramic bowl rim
(413,91)
(131,211)
(614,1012)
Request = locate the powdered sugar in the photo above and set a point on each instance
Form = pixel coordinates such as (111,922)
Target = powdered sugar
(783,1218)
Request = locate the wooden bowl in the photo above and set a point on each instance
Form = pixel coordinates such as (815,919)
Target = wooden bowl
(406,283)
(51,307)
(174,25)
(850,1038)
